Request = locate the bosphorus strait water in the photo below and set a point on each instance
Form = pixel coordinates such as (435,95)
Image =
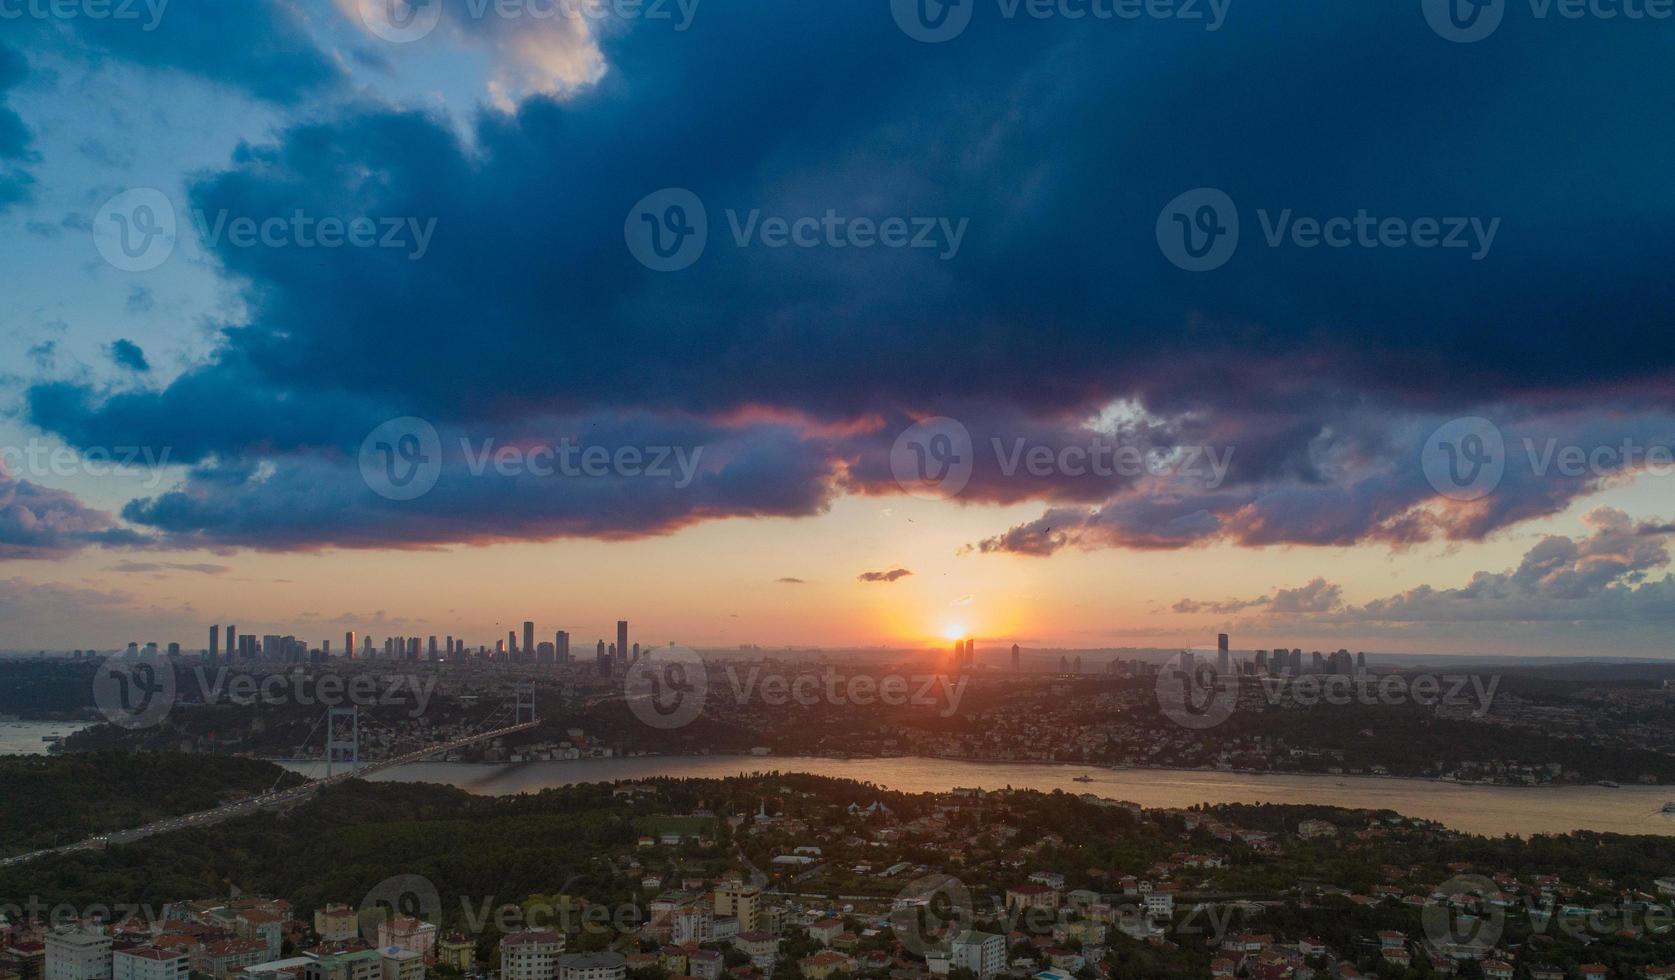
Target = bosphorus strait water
(1478,809)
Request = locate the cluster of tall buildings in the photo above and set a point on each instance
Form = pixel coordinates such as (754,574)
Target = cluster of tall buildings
(965,654)
(1281,661)
(233,646)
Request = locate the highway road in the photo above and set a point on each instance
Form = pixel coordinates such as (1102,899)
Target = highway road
(251,804)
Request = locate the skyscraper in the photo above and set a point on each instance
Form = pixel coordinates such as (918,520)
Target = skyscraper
(214,641)
(970,652)
(511,646)
(621,651)
(1224,657)
(528,640)
(602,660)
(232,633)
(561,645)
(349,644)
(1014,656)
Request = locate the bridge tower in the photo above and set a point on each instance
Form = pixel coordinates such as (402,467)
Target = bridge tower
(343,737)
(525,705)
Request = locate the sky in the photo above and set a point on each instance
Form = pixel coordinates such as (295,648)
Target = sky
(1080,323)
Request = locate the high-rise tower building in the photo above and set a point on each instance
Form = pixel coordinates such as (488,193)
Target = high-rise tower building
(1014,656)
(214,641)
(528,640)
(621,641)
(561,646)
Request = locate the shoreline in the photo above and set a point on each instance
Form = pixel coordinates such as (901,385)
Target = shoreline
(1101,767)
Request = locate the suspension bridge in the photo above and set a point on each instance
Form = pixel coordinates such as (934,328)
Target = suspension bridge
(343,762)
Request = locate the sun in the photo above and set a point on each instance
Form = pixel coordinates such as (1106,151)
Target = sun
(953,632)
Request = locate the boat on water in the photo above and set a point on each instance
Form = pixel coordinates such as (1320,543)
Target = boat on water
(1082,779)
(1669,808)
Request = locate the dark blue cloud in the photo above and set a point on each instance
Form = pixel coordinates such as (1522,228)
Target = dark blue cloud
(15,137)
(37,522)
(261,47)
(1058,141)
(128,354)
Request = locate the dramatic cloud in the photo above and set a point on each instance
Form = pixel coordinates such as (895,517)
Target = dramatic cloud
(889,576)
(202,568)
(15,138)
(551,48)
(1358,479)
(1054,144)
(1315,597)
(1604,577)
(127,354)
(37,522)
(261,47)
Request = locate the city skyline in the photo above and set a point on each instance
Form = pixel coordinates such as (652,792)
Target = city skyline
(923,366)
